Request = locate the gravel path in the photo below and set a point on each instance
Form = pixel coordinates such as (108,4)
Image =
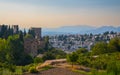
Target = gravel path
(56,71)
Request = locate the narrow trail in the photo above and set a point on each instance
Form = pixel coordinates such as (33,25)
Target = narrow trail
(56,71)
(60,68)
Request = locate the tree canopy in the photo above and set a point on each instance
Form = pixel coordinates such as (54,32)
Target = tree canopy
(100,48)
(12,51)
(114,44)
(72,58)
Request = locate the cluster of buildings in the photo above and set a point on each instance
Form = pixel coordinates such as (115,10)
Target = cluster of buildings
(71,43)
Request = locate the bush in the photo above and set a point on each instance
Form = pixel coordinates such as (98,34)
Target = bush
(18,71)
(94,72)
(113,67)
(48,56)
(11,67)
(33,70)
(38,60)
(47,67)
(6,72)
(27,67)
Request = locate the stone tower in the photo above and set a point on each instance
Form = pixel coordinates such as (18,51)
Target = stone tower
(32,44)
(15,29)
(37,32)
(0,27)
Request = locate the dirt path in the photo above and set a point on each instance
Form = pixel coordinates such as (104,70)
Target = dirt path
(56,71)
(61,68)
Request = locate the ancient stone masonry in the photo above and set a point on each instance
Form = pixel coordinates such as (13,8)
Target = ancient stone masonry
(37,32)
(31,44)
(0,28)
(15,29)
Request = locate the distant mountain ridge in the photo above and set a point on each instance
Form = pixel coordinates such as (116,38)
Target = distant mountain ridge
(79,30)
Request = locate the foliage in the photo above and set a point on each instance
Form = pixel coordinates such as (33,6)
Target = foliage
(38,60)
(94,72)
(18,71)
(15,50)
(82,50)
(113,67)
(27,59)
(103,57)
(103,48)
(83,72)
(33,70)
(48,56)
(47,44)
(5,31)
(72,58)
(58,53)
(6,72)
(83,60)
(12,51)
(31,32)
(54,54)
(41,51)
(114,44)
(28,36)
(26,67)
(46,67)
(3,48)
(59,56)
(100,48)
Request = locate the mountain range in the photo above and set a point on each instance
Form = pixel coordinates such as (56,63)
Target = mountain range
(78,30)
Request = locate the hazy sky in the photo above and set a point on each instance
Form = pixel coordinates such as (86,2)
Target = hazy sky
(56,13)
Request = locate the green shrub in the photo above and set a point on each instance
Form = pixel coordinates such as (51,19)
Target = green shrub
(27,67)
(47,67)
(33,70)
(94,72)
(6,72)
(113,68)
(38,60)
(18,71)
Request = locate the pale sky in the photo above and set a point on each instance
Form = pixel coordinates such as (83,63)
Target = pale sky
(57,13)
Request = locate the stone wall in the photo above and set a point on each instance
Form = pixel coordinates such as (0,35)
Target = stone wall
(31,45)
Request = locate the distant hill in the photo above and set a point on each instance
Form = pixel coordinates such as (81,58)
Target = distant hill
(79,30)
(104,29)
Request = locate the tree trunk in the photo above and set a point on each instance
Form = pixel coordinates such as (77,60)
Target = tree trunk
(72,64)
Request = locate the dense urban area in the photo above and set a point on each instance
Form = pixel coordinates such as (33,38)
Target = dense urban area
(73,42)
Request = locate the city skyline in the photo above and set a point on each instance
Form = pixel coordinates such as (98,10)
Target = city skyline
(58,13)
